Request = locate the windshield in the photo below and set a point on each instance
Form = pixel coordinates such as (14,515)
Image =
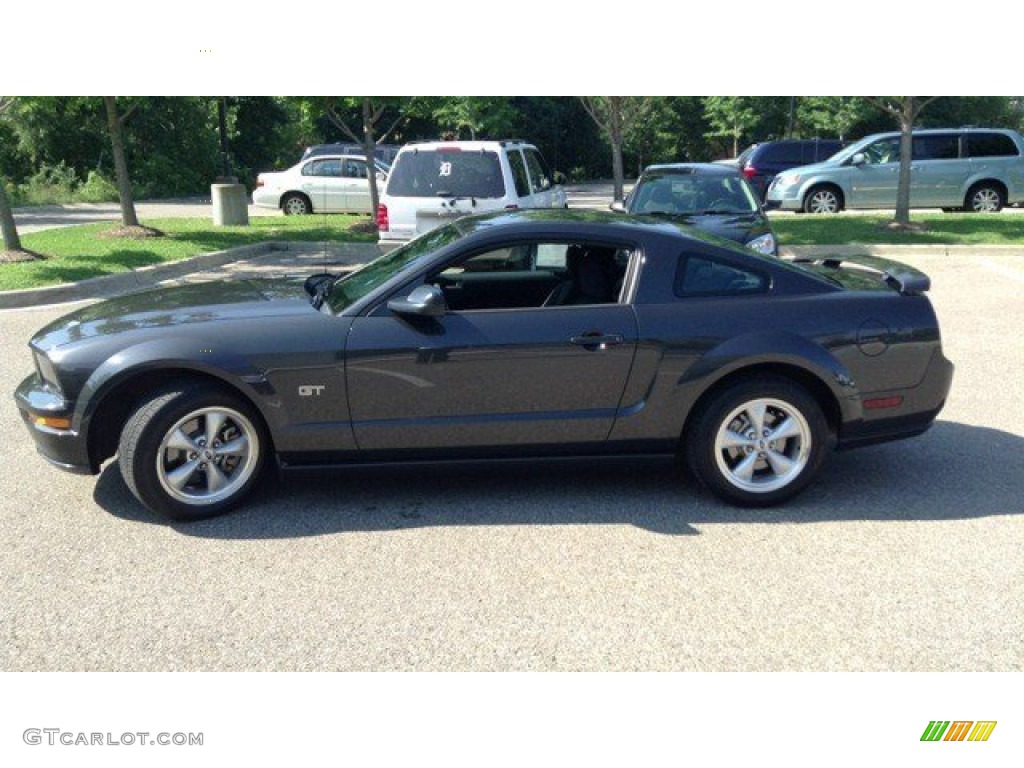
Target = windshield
(355,285)
(692,194)
(446,172)
(851,150)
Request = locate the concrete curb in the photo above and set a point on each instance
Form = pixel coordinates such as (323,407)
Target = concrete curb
(139,279)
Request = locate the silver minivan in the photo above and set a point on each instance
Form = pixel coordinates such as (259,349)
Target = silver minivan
(973,169)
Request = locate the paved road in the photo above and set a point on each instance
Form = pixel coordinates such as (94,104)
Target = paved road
(592,195)
(36,219)
(908,556)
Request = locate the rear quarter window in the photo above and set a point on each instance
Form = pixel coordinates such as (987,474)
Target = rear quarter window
(990,145)
(702,276)
(441,173)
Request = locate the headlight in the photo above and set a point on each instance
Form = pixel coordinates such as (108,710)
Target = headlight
(764,244)
(45,369)
(789,181)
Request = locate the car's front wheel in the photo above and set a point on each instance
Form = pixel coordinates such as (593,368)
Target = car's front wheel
(823,199)
(192,451)
(758,442)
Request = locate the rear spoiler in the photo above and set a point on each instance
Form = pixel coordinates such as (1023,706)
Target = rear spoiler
(906,280)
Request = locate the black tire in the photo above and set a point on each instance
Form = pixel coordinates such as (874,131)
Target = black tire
(823,198)
(985,197)
(721,469)
(296,204)
(152,463)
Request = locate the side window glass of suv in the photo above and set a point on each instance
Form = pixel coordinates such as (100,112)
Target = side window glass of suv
(990,145)
(540,178)
(783,153)
(522,183)
(943,146)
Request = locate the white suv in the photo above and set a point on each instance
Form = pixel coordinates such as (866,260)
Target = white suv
(432,182)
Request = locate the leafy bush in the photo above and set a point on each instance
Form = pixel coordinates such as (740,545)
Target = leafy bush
(97,189)
(50,184)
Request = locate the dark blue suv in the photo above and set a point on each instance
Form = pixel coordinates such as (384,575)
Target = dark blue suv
(759,163)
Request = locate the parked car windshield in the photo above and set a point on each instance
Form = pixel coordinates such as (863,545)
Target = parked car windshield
(851,150)
(355,285)
(446,172)
(692,194)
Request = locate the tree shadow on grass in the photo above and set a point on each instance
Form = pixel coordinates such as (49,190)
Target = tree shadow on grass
(953,472)
(95,265)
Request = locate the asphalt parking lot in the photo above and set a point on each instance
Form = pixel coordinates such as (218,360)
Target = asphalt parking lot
(908,556)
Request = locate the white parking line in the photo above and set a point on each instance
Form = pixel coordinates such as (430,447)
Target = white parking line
(999,269)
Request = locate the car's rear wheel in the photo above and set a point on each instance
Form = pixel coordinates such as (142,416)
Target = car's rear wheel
(295,204)
(823,199)
(985,197)
(758,442)
(192,451)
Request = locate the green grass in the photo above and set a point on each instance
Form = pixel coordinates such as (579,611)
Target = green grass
(79,252)
(941,229)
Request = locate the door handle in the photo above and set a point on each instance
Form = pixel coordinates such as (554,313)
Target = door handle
(595,340)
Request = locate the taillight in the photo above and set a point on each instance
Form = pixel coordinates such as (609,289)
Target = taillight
(382,218)
(750,171)
(259,182)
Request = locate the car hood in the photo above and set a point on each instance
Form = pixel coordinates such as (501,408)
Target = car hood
(178,306)
(808,170)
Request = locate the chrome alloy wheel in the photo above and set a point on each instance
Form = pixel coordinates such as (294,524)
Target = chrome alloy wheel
(986,200)
(763,445)
(207,456)
(823,201)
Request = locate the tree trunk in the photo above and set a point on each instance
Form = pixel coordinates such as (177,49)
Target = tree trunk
(791,123)
(11,240)
(370,147)
(615,106)
(618,175)
(124,185)
(907,115)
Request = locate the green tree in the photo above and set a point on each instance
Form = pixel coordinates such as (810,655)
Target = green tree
(905,111)
(731,117)
(115,124)
(380,116)
(617,117)
(491,117)
(11,241)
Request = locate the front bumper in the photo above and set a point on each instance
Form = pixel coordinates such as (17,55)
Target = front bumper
(64,448)
(783,198)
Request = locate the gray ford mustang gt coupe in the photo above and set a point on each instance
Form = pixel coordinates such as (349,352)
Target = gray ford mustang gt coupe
(510,335)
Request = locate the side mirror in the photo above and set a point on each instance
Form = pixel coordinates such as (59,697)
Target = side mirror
(424,301)
(858,159)
(618,206)
(559,177)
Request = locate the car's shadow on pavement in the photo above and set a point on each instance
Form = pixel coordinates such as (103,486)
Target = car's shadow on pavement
(955,471)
